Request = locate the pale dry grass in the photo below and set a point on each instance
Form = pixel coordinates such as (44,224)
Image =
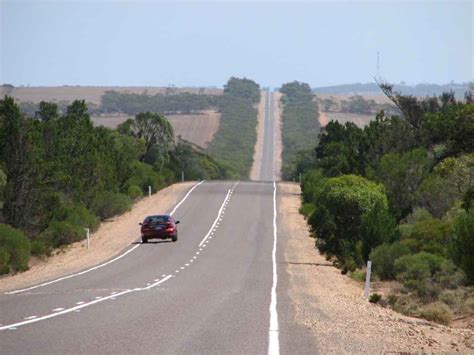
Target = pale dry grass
(341,117)
(197,128)
(112,237)
(91,93)
(332,304)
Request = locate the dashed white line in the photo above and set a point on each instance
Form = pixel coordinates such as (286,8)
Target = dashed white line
(57,309)
(78,308)
(30,317)
(81,302)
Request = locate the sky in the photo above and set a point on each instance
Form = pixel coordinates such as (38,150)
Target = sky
(156,43)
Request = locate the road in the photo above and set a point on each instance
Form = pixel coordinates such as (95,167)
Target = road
(215,291)
(267,167)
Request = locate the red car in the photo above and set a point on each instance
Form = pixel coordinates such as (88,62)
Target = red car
(161,227)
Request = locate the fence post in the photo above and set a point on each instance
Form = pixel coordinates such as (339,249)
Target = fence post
(149,191)
(182,176)
(88,235)
(367,279)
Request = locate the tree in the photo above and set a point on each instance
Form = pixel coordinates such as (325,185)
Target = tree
(296,93)
(463,245)
(343,205)
(244,88)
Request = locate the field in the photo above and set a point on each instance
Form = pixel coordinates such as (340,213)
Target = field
(90,93)
(198,129)
(342,117)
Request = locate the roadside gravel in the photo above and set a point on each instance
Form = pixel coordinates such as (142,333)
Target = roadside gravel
(112,237)
(333,307)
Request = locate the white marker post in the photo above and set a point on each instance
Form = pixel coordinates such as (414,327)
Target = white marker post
(367,279)
(88,234)
(149,191)
(182,176)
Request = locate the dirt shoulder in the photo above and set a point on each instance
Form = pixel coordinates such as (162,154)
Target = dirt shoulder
(112,237)
(333,307)
(257,154)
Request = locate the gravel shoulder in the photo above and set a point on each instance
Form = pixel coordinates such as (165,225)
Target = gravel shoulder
(333,307)
(112,237)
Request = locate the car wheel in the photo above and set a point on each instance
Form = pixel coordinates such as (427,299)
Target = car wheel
(144,240)
(174,238)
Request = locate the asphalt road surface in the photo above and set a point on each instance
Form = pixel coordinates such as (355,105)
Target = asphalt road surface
(267,166)
(214,291)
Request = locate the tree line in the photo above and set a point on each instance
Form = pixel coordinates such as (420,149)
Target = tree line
(400,192)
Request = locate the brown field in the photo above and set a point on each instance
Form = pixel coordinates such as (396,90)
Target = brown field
(380,99)
(90,93)
(341,117)
(198,128)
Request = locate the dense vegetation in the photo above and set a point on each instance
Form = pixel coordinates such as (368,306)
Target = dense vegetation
(234,141)
(132,104)
(59,174)
(299,125)
(400,192)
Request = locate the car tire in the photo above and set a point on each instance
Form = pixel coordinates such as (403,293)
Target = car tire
(174,238)
(144,240)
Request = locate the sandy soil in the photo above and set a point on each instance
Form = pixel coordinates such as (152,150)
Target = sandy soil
(90,93)
(112,237)
(323,119)
(278,142)
(257,155)
(199,128)
(333,307)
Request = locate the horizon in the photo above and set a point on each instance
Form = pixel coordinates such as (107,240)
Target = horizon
(161,44)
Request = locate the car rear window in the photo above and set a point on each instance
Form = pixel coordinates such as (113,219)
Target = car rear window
(157,219)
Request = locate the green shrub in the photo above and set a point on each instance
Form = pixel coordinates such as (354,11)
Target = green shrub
(61,233)
(462,245)
(144,176)
(17,246)
(79,215)
(358,275)
(108,204)
(39,248)
(4,259)
(383,258)
(134,192)
(436,312)
(375,298)
(307,209)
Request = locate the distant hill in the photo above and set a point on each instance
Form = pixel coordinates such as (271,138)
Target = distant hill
(416,90)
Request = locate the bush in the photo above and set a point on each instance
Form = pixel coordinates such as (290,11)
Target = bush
(462,245)
(375,298)
(383,258)
(307,209)
(134,192)
(436,312)
(144,176)
(79,215)
(61,233)
(16,249)
(4,259)
(39,248)
(108,204)
(358,275)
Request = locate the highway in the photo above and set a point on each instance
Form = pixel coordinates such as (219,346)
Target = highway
(221,289)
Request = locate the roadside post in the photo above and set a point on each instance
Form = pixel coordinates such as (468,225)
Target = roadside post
(367,279)
(149,191)
(88,235)
(182,176)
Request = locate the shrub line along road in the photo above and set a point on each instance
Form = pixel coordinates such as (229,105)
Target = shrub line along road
(214,291)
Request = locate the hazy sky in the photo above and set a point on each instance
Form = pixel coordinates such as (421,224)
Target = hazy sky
(159,43)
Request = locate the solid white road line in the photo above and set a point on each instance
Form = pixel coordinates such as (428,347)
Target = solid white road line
(273,341)
(78,308)
(104,264)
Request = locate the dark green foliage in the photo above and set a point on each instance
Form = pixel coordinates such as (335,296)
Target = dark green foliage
(312,185)
(77,214)
(134,192)
(462,245)
(39,248)
(244,88)
(375,298)
(300,126)
(61,233)
(341,208)
(234,141)
(133,104)
(15,249)
(108,204)
(383,258)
